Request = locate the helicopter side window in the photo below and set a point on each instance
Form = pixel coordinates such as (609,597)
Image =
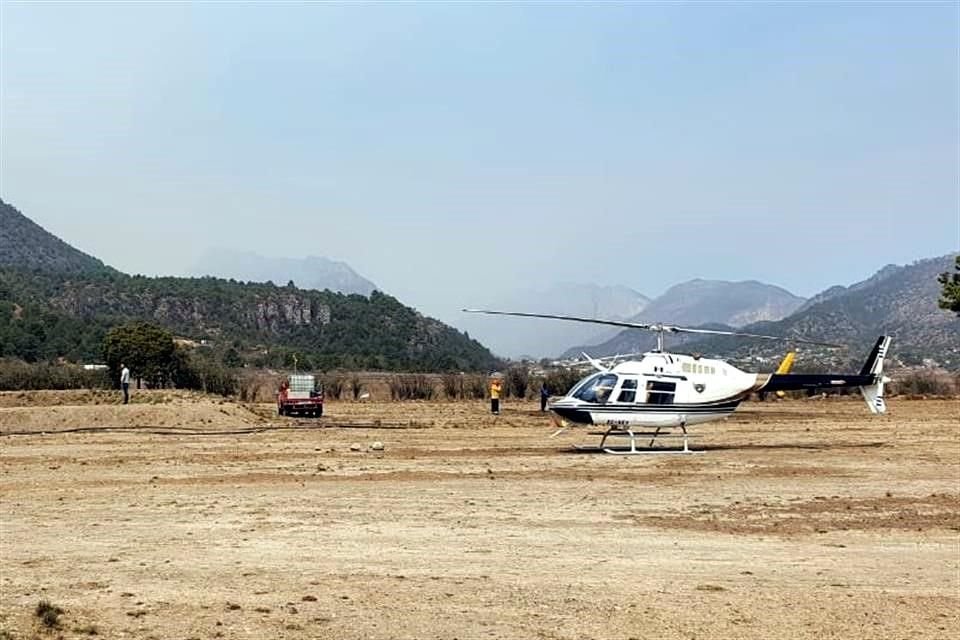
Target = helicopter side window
(597,389)
(660,392)
(628,391)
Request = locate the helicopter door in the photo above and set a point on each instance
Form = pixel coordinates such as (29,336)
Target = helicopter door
(628,391)
(660,392)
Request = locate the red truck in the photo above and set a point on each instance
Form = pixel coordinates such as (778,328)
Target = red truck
(300,395)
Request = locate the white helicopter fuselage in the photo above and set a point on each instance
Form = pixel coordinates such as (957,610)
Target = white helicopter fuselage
(659,390)
(663,390)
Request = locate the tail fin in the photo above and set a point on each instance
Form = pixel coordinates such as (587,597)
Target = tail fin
(785,365)
(874,363)
(873,393)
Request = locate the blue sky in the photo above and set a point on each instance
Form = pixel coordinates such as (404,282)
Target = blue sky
(450,151)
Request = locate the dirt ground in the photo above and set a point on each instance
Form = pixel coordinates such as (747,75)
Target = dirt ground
(182,516)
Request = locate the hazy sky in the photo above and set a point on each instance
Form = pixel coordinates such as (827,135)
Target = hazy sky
(448,151)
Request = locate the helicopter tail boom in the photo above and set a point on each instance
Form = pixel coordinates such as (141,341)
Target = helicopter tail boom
(870,380)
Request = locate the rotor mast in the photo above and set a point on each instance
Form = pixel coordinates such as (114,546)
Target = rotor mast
(658,328)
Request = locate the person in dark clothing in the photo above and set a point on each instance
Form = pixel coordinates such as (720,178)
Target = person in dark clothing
(544,396)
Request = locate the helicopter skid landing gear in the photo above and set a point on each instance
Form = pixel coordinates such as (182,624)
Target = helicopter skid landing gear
(633,436)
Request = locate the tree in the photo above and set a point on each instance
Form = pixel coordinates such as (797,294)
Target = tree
(559,381)
(518,379)
(232,359)
(146,349)
(950,297)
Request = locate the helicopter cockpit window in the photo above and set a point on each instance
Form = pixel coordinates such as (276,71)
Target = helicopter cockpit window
(583,384)
(597,389)
(628,391)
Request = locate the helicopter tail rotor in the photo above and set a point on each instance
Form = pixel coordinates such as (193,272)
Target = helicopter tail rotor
(873,393)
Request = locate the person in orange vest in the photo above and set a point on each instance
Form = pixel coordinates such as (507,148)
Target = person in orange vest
(495,387)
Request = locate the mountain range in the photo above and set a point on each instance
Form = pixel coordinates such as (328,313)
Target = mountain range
(312,272)
(698,303)
(736,304)
(690,303)
(898,300)
(56,301)
(517,337)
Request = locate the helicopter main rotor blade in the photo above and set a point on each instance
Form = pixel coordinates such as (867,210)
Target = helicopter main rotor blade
(613,323)
(667,328)
(742,334)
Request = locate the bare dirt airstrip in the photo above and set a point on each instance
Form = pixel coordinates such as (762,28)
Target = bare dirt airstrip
(183,516)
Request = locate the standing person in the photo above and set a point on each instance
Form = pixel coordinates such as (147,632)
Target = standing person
(125,382)
(544,396)
(495,386)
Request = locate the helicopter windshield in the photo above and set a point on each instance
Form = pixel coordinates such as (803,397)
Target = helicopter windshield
(596,388)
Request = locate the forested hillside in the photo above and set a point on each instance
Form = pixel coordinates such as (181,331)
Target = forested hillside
(898,300)
(26,245)
(48,315)
(57,302)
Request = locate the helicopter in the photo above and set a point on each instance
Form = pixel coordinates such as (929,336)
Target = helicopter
(664,391)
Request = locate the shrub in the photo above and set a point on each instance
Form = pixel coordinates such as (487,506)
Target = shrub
(332,386)
(254,387)
(475,387)
(517,381)
(200,373)
(356,386)
(89,629)
(413,386)
(927,383)
(48,613)
(17,375)
(452,384)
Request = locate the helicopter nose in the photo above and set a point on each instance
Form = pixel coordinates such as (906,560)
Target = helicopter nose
(564,416)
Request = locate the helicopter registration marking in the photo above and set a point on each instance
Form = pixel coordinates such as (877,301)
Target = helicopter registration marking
(617,423)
